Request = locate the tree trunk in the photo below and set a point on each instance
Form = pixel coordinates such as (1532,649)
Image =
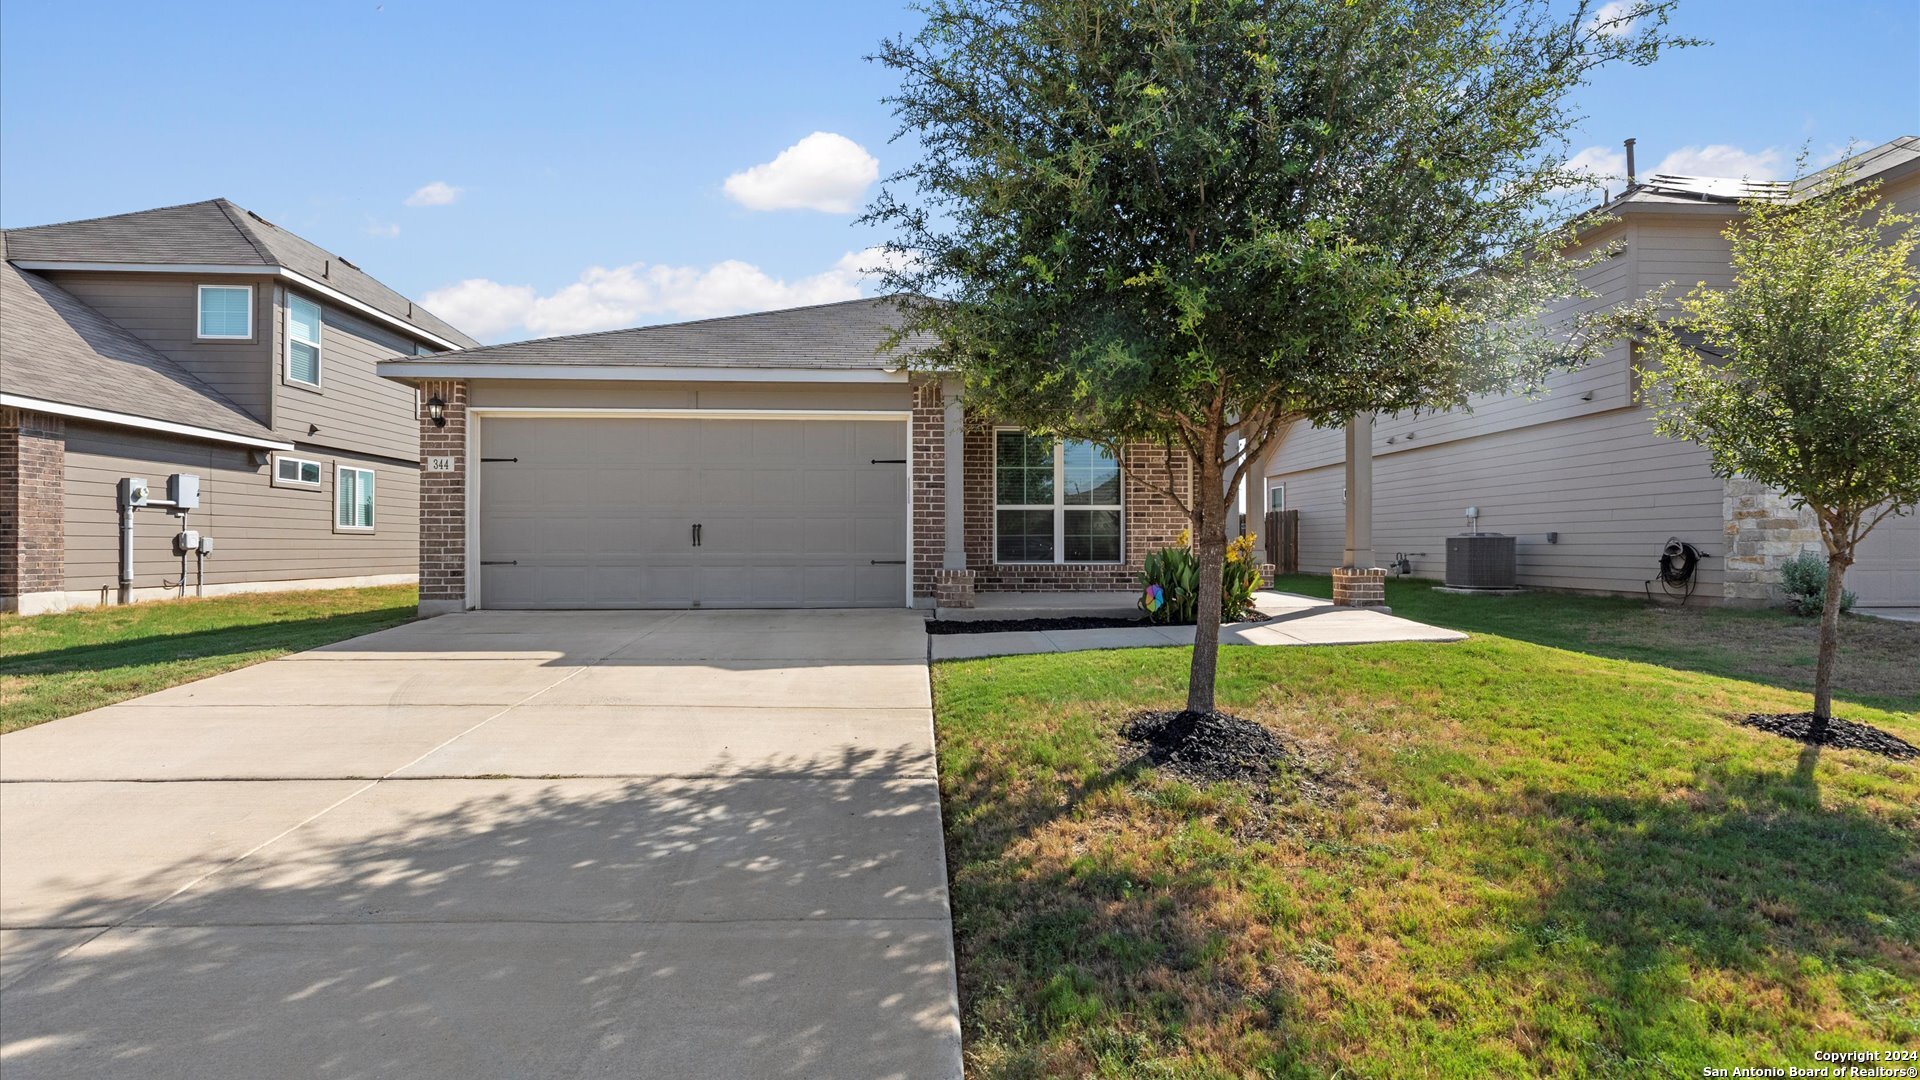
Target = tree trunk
(1210,559)
(1837,562)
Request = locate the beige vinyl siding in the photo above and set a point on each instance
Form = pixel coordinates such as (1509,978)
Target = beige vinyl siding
(260,532)
(163,310)
(355,409)
(1611,489)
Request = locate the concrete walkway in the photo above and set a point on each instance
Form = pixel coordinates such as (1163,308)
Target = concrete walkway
(575,844)
(1294,620)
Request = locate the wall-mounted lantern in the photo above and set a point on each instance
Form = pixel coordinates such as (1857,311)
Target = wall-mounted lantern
(437,411)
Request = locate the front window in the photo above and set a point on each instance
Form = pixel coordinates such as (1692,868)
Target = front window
(303,341)
(226,311)
(353,499)
(1055,501)
(300,472)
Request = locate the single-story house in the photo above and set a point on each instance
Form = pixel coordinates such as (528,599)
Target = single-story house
(201,341)
(1577,474)
(779,459)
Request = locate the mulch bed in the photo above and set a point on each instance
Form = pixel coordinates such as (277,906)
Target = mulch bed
(1090,622)
(1001,626)
(1841,734)
(1206,746)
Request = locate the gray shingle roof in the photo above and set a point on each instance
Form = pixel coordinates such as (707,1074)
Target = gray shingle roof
(847,335)
(56,348)
(216,233)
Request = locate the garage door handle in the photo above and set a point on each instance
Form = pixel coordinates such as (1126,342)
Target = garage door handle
(696,536)
(887,562)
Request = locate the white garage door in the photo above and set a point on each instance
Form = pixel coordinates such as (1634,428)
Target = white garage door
(1886,565)
(669,512)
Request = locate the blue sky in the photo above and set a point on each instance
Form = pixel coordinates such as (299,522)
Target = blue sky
(583,152)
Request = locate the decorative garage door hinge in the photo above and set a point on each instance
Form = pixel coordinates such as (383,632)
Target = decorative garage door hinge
(888,461)
(499,562)
(887,562)
(514,459)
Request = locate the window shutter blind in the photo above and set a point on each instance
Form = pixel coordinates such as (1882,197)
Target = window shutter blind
(224,311)
(303,340)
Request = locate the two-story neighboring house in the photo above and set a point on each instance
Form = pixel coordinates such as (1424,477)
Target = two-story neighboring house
(201,340)
(1577,475)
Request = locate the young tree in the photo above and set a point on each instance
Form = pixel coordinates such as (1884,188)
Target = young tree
(1805,373)
(1191,223)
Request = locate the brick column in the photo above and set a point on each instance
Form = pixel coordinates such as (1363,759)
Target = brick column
(928,457)
(33,531)
(443,501)
(1360,588)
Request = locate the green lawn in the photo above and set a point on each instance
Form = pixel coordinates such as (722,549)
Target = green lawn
(58,665)
(1512,859)
(1879,659)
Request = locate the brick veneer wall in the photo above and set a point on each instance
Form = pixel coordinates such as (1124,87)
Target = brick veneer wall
(33,532)
(443,501)
(928,455)
(1149,521)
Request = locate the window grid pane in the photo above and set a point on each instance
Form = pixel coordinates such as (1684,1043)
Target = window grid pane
(303,340)
(226,311)
(1025,536)
(1093,536)
(353,501)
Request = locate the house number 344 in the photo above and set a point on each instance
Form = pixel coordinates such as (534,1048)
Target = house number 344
(439,464)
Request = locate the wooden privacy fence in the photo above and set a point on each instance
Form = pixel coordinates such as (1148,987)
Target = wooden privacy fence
(1283,540)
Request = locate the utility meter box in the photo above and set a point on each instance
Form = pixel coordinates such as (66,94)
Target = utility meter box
(183,491)
(133,491)
(186,542)
(206,545)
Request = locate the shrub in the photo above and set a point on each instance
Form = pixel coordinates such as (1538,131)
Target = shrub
(1174,572)
(1804,579)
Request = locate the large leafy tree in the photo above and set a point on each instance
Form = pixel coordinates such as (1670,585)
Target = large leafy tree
(1805,373)
(1193,221)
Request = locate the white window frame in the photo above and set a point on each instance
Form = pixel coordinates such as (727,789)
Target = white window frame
(340,471)
(320,472)
(200,312)
(1280,490)
(1059,508)
(319,351)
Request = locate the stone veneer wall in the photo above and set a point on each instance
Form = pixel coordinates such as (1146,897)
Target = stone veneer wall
(33,531)
(1762,531)
(443,501)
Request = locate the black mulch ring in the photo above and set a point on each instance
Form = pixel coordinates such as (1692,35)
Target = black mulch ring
(1089,622)
(1844,734)
(1206,746)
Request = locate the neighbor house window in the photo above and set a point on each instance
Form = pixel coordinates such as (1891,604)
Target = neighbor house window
(1277,497)
(303,341)
(1055,501)
(226,311)
(296,472)
(353,498)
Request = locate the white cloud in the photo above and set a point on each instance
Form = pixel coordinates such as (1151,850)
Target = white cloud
(385,232)
(823,171)
(1719,159)
(1610,19)
(610,298)
(438,193)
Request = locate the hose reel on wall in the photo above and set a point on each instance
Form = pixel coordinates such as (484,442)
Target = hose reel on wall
(1679,563)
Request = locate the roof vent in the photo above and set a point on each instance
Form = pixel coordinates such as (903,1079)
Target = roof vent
(344,261)
(262,220)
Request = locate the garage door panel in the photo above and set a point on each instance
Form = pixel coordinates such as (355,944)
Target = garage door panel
(600,512)
(1886,569)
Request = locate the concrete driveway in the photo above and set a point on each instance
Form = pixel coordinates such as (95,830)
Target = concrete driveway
(633,844)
